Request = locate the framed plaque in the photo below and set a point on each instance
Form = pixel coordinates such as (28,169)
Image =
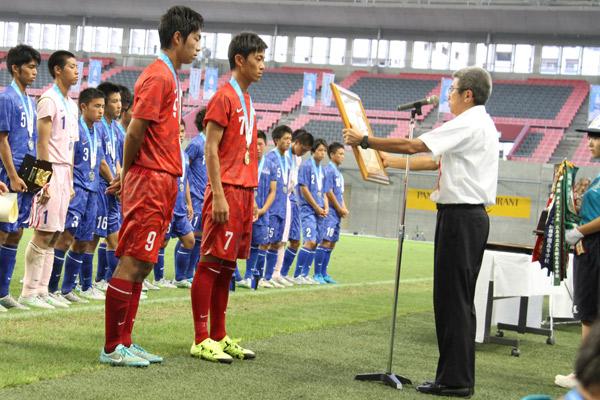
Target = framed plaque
(354,116)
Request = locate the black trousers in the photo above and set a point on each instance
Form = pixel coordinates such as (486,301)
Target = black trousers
(460,236)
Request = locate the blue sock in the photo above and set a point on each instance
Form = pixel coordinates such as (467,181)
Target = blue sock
(111,264)
(288,260)
(326,262)
(59,260)
(8,258)
(182,262)
(303,259)
(319,257)
(73,263)
(159,267)
(236,275)
(271,258)
(260,262)
(101,270)
(87,270)
(194,258)
(251,262)
(309,260)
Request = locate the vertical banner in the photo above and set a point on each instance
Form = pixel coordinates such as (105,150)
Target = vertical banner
(94,73)
(328,79)
(77,87)
(445,87)
(195,74)
(211,78)
(309,97)
(594,106)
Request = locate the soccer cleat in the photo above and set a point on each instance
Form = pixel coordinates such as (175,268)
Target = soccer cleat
(183,284)
(101,285)
(9,302)
(232,348)
(299,280)
(319,279)
(309,280)
(141,353)
(73,298)
(53,302)
(329,279)
(122,357)
(566,381)
(143,296)
(92,294)
(36,302)
(275,284)
(150,286)
(245,283)
(163,283)
(263,283)
(290,279)
(3,309)
(210,350)
(282,281)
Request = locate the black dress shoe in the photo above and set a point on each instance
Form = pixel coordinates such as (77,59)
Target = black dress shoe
(437,389)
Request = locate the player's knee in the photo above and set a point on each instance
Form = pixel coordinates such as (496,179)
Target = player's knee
(294,244)
(188,241)
(310,245)
(11,239)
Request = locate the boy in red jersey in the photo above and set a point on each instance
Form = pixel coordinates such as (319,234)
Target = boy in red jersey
(148,183)
(229,208)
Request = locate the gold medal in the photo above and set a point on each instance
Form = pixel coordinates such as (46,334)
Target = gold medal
(247,157)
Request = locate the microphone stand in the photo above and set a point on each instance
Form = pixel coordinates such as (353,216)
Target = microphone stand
(388,377)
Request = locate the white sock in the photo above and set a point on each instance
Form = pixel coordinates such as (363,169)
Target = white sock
(46,272)
(34,265)
(280,255)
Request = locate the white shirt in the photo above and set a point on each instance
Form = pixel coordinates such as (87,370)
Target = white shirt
(467,148)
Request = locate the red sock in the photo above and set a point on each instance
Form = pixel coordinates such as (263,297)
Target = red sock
(201,292)
(218,305)
(118,296)
(136,291)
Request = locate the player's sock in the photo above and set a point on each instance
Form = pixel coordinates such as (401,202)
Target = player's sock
(303,256)
(194,258)
(279,263)
(101,270)
(182,262)
(8,258)
(237,275)
(219,300)
(57,266)
(73,262)
(201,293)
(319,257)
(118,296)
(326,262)
(306,266)
(134,302)
(46,272)
(288,260)
(159,267)
(271,260)
(111,264)
(260,262)
(251,262)
(34,265)
(87,270)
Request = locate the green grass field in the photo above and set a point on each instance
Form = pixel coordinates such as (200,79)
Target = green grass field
(310,341)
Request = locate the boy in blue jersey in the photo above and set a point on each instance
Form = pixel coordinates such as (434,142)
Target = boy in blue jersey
(80,224)
(264,196)
(180,227)
(314,206)
(282,137)
(18,136)
(334,190)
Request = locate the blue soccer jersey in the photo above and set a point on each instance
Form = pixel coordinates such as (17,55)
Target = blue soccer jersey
(294,162)
(197,172)
(121,142)
(267,173)
(110,143)
(590,206)
(182,181)
(88,155)
(281,170)
(18,120)
(334,182)
(311,176)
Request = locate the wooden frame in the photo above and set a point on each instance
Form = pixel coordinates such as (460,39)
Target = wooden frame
(353,114)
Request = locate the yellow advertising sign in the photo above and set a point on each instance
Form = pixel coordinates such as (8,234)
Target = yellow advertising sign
(506,206)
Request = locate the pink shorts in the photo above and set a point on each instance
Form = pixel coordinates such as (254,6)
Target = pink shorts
(50,217)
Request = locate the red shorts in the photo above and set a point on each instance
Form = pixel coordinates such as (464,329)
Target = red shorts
(231,240)
(148,198)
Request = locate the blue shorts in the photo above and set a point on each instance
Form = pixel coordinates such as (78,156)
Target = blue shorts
(276,227)
(295,225)
(81,215)
(101,212)
(180,226)
(197,221)
(331,227)
(115,218)
(312,225)
(24,201)
(260,234)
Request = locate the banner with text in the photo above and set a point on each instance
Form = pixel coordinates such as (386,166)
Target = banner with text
(309,98)
(328,79)
(444,107)
(211,79)
(594,104)
(195,76)
(94,73)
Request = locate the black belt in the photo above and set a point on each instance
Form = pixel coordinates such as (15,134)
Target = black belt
(463,206)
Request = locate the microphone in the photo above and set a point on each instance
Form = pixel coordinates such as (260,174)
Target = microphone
(427,100)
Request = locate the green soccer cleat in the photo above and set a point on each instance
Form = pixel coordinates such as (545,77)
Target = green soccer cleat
(142,353)
(122,357)
(210,350)
(232,348)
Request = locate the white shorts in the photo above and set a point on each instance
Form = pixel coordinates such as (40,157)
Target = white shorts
(51,217)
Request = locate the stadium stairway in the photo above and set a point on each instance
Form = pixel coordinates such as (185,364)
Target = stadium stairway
(571,140)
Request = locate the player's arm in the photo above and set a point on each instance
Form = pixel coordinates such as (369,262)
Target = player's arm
(419,163)
(136,132)
(334,203)
(353,137)
(325,206)
(310,200)
(16,183)
(220,208)
(44,128)
(188,201)
(270,198)
(105,171)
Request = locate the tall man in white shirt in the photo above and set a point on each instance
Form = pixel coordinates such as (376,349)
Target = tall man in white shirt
(465,153)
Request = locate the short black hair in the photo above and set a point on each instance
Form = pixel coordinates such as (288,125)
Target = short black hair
(58,59)
(20,55)
(333,147)
(318,142)
(244,43)
(182,122)
(303,136)
(178,19)
(89,94)
(261,135)
(587,366)
(278,132)
(108,88)
(199,120)
(126,97)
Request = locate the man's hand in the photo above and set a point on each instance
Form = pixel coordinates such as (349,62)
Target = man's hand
(44,194)
(344,212)
(115,186)
(3,188)
(385,158)
(352,137)
(220,209)
(255,212)
(573,236)
(72,193)
(17,184)
(190,212)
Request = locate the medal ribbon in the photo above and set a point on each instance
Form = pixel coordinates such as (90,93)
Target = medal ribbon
(283,163)
(248,122)
(319,173)
(112,149)
(338,174)
(261,164)
(27,108)
(164,58)
(93,145)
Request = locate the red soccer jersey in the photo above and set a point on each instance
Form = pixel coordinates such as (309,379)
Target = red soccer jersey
(156,101)
(225,110)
